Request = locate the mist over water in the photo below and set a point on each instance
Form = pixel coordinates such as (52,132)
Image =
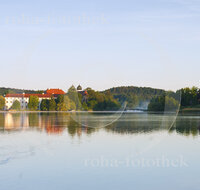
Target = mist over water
(143,105)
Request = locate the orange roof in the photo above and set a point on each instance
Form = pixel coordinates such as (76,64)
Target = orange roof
(28,95)
(55,91)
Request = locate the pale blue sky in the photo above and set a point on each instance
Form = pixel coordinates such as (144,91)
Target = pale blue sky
(46,44)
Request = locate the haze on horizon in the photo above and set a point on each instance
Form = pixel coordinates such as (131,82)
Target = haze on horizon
(99,44)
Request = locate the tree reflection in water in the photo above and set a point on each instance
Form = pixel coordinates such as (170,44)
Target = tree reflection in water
(58,122)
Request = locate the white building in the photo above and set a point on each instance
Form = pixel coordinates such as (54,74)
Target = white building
(24,98)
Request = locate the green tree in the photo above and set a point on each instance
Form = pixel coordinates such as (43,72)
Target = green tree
(2,102)
(44,106)
(171,104)
(109,104)
(94,98)
(157,103)
(16,105)
(85,107)
(60,99)
(61,106)
(70,105)
(100,101)
(163,103)
(189,96)
(73,95)
(33,103)
(91,104)
(64,103)
(52,104)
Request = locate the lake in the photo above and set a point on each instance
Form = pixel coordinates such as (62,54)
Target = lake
(58,151)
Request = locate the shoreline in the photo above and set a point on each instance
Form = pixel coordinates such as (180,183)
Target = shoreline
(114,112)
(189,110)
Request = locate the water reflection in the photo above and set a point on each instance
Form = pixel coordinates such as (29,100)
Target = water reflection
(52,123)
(187,125)
(57,123)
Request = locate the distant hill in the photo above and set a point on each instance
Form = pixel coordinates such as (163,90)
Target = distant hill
(145,92)
(136,97)
(4,91)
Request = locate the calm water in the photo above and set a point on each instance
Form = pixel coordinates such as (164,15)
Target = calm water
(138,151)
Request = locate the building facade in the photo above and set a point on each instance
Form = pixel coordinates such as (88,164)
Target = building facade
(24,98)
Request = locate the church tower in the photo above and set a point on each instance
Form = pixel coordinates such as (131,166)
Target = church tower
(79,88)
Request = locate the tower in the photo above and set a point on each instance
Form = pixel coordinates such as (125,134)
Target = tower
(79,88)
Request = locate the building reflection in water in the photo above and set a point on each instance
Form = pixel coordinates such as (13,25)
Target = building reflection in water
(16,121)
(51,123)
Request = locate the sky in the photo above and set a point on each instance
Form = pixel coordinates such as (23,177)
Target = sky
(99,43)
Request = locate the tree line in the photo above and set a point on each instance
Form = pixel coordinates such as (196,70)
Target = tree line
(112,99)
(93,100)
(190,97)
(4,91)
